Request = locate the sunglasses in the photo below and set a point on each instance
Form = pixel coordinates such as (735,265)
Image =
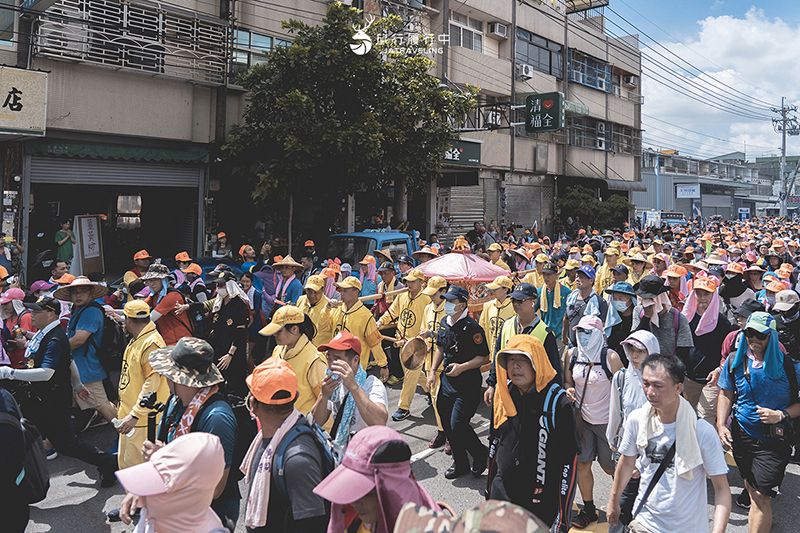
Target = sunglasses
(751,333)
(581,330)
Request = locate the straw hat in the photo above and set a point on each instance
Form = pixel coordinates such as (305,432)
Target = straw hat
(637,257)
(287,261)
(65,293)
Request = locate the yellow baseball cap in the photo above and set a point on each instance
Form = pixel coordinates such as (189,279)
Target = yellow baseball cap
(612,251)
(572,264)
(136,309)
(494,247)
(435,284)
(315,282)
(414,274)
(350,282)
(542,258)
(500,282)
(288,314)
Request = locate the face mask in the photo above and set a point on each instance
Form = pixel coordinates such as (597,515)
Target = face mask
(789,318)
(771,300)
(620,306)
(450,308)
(584,337)
(730,276)
(222,292)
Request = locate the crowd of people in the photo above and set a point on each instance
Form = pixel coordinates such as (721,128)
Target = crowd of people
(651,353)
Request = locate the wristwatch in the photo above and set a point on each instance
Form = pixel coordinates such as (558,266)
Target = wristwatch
(785,415)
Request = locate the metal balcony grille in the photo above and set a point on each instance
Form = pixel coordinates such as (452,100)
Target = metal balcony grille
(134,38)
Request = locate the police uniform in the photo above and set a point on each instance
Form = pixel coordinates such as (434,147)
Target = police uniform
(460,396)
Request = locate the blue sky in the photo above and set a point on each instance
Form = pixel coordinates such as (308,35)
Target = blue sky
(745,53)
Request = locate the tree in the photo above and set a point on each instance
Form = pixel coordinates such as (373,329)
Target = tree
(323,122)
(580,201)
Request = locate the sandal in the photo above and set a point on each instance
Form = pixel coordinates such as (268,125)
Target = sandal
(584,519)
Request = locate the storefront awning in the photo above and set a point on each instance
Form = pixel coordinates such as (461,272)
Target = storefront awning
(619,185)
(102,151)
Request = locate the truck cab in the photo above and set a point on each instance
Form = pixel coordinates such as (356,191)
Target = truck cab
(352,247)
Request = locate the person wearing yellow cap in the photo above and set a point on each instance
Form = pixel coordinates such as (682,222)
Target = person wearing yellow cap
(351,315)
(293,331)
(137,379)
(432,318)
(495,251)
(535,278)
(406,312)
(314,303)
(605,277)
(496,311)
(569,274)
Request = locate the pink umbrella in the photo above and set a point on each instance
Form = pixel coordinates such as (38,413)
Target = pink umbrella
(465,270)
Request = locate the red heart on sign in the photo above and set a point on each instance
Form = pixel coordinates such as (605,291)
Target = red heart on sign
(547,104)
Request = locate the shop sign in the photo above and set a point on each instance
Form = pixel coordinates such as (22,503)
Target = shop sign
(544,112)
(89,252)
(463,153)
(23,101)
(687,191)
(793,200)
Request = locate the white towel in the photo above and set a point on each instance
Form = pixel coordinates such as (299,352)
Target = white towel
(258,501)
(687,450)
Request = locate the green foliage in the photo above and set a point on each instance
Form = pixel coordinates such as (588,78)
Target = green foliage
(580,201)
(322,121)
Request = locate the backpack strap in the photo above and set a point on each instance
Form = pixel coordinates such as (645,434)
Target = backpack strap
(677,321)
(604,362)
(791,375)
(551,400)
(280,454)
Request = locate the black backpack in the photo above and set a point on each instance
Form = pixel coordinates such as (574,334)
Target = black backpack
(113,344)
(33,480)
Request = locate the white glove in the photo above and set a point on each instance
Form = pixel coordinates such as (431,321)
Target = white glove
(5,372)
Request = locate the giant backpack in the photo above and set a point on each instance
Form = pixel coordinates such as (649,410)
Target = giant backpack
(113,344)
(33,480)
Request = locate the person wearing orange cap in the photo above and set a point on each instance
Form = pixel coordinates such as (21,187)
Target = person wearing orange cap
(141,262)
(733,290)
(182,260)
(222,249)
(709,329)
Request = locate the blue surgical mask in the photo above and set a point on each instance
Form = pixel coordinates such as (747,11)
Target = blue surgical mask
(584,337)
(771,300)
(450,308)
(620,306)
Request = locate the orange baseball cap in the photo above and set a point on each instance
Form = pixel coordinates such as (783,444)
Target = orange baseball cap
(776,286)
(273,382)
(183,257)
(66,279)
(194,268)
(309,243)
(241,250)
(705,284)
(735,268)
(221,234)
(368,260)
(142,254)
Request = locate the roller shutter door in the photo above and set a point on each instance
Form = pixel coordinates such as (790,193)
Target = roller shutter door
(104,172)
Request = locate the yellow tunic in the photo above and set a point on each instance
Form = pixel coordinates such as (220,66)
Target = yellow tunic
(309,368)
(603,279)
(567,283)
(633,279)
(502,264)
(534,278)
(406,312)
(321,316)
(135,371)
(359,322)
(492,318)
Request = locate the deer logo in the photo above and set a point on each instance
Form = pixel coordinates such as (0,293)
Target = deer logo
(363,42)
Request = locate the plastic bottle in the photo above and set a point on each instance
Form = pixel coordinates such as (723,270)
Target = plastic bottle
(117,423)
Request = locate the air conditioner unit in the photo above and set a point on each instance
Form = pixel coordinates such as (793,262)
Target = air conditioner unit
(494,118)
(577,76)
(497,29)
(616,90)
(524,71)
(601,143)
(630,81)
(64,39)
(601,128)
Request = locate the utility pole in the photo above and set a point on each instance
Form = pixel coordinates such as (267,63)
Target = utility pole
(785,125)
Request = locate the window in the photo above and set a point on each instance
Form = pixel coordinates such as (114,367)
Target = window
(542,54)
(589,71)
(589,132)
(398,249)
(466,32)
(8,21)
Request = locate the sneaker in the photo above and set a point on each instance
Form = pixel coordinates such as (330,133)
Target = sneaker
(437,441)
(393,380)
(97,421)
(89,422)
(113,515)
(584,519)
(107,478)
(743,500)
(447,449)
(51,453)
(400,414)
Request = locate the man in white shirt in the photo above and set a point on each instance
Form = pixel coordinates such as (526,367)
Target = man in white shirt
(353,397)
(678,500)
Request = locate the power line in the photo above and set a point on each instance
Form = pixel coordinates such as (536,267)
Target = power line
(698,133)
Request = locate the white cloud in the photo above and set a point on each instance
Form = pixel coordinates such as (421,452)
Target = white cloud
(753,55)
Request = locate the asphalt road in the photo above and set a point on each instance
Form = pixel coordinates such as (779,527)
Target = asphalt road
(77,504)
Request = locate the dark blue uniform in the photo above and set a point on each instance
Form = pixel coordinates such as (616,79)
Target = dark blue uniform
(460,396)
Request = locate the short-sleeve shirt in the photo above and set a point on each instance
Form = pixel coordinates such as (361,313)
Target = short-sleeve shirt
(676,505)
(17,356)
(761,391)
(461,342)
(375,391)
(171,326)
(88,318)
(217,419)
(302,472)
(665,332)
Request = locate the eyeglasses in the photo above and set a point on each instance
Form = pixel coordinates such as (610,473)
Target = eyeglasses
(751,333)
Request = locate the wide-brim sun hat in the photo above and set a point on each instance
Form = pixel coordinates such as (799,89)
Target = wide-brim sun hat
(65,293)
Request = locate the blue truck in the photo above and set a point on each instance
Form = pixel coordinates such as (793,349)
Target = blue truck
(352,247)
